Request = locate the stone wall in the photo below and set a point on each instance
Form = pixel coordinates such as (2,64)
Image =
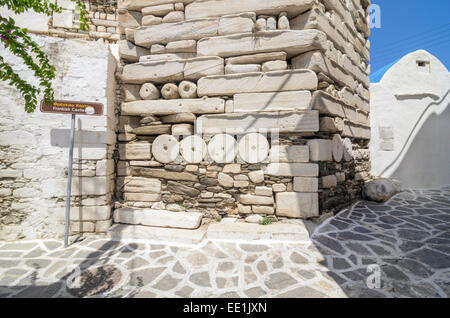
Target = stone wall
(103,24)
(243,107)
(224,107)
(34,148)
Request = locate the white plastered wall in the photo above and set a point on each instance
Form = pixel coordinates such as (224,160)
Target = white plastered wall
(410,118)
(34,147)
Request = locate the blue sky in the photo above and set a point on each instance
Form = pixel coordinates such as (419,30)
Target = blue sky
(409,25)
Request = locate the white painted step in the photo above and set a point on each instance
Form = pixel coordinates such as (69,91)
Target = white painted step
(158,218)
(123,232)
(291,232)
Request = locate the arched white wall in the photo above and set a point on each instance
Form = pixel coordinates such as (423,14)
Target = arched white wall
(410,118)
(407,79)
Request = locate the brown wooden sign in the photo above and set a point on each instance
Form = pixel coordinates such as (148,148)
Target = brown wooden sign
(71,107)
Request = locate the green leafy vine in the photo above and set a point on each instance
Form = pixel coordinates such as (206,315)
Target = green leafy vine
(19,43)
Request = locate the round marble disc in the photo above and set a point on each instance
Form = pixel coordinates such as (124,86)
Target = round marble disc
(223,148)
(338,148)
(165,148)
(348,150)
(193,149)
(254,148)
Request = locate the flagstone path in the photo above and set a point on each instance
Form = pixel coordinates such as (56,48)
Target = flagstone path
(408,238)
(398,249)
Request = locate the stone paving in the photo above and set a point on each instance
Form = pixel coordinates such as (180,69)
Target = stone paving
(214,269)
(407,237)
(406,241)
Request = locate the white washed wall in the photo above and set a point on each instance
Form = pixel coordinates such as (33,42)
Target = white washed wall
(410,113)
(34,147)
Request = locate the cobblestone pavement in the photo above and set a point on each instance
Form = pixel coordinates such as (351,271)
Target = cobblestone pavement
(408,238)
(214,269)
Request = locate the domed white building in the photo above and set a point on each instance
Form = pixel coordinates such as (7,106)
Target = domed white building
(410,121)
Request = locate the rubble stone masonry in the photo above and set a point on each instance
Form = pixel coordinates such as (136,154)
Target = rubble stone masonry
(233,107)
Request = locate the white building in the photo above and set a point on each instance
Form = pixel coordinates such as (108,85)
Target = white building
(410,117)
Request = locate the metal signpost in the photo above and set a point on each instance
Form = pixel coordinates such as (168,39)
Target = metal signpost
(73,108)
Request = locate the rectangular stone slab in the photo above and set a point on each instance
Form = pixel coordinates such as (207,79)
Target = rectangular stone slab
(158,10)
(352,99)
(129,20)
(157,72)
(318,62)
(139,185)
(186,46)
(142,197)
(157,234)
(255,199)
(174,106)
(166,57)
(135,151)
(355,131)
(327,104)
(293,42)
(331,124)
(158,218)
(292,169)
(254,232)
(199,67)
(139,4)
(277,81)
(362,118)
(131,52)
(315,19)
(214,8)
(235,123)
(289,154)
(131,93)
(169,32)
(163,174)
(279,101)
(302,184)
(320,149)
(237,23)
(297,205)
(152,130)
(257,58)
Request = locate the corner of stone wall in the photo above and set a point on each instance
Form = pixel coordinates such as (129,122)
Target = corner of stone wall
(202,69)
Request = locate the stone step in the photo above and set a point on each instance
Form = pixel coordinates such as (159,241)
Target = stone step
(158,218)
(224,231)
(158,234)
(292,232)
